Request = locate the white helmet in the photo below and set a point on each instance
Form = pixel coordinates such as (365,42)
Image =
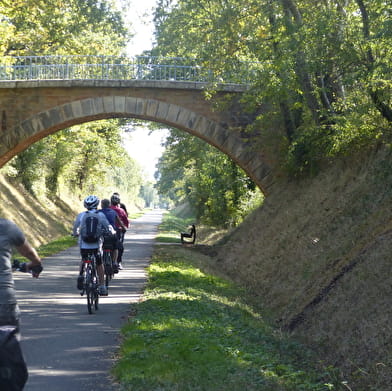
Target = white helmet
(91,202)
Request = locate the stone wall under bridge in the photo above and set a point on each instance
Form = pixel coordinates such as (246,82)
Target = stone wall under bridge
(31,110)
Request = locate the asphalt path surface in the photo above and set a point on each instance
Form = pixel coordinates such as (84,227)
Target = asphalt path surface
(65,347)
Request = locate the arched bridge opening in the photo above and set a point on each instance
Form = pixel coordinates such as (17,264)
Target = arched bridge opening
(32,110)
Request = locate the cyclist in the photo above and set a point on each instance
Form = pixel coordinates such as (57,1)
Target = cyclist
(91,203)
(14,373)
(114,220)
(120,228)
(11,237)
(121,204)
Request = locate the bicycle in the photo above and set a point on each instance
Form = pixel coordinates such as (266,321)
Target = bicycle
(108,247)
(108,265)
(90,282)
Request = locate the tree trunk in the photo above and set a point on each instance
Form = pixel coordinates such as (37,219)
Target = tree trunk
(375,94)
(294,22)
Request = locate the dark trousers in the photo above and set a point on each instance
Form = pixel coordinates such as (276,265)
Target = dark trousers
(120,237)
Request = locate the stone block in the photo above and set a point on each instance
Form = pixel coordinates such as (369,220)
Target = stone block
(119,104)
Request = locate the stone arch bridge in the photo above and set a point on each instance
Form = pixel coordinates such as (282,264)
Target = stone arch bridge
(33,109)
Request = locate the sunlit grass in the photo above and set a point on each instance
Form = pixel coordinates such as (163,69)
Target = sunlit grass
(194,331)
(53,247)
(171,227)
(136,215)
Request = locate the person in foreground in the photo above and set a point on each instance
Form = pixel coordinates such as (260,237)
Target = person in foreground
(95,244)
(11,236)
(13,368)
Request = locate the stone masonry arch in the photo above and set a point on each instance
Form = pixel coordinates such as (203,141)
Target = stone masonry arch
(78,110)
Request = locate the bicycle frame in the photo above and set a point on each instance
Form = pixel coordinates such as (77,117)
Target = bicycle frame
(90,283)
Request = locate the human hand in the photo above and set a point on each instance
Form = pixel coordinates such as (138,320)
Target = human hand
(36,270)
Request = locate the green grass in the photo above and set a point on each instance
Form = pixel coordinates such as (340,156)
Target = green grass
(171,227)
(135,215)
(194,331)
(53,247)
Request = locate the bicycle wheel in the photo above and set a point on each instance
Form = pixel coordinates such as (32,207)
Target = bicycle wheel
(96,297)
(90,290)
(107,261)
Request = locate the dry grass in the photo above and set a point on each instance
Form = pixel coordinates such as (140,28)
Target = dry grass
(318,255)
(41,220)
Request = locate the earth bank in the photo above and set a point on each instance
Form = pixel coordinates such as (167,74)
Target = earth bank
(317,254)
(42,220)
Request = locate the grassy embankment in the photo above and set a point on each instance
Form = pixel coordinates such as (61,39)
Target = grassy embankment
(196,331)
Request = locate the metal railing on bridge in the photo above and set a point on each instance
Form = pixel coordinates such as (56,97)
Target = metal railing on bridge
(91,67)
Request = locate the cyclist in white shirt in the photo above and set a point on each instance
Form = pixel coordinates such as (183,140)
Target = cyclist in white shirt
(91,204)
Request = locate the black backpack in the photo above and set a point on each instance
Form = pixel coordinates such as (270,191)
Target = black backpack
(13,369)
(90,229)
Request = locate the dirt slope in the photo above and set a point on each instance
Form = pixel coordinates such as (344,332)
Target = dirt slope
(318,254)
(41,220)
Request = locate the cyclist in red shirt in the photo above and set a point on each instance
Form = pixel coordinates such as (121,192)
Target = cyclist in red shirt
(115,205)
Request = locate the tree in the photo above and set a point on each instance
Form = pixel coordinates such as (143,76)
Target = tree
(28,166)
(40,27)
(379,91)
(215,187)
(314,62)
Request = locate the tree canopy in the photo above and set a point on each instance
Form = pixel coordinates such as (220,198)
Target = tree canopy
(323,66)
(39,27)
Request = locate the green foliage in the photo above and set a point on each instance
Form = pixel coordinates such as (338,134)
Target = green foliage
(98,162)
(322,67)
(27,166)
(39,27)
(214,186)
(194,331)
(85,158)
(149,194)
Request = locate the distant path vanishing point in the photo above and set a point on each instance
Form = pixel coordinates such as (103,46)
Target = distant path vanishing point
(65,347)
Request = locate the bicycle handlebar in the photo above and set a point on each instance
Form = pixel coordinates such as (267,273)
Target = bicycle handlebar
(22,267)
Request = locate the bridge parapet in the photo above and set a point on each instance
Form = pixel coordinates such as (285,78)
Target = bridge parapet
(79,67)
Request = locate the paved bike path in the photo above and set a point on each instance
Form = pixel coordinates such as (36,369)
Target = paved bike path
(65,347)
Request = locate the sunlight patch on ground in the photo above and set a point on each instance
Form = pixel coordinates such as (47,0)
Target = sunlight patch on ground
(49,372)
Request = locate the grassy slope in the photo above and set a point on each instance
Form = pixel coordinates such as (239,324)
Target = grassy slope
(41,220)
(318,254)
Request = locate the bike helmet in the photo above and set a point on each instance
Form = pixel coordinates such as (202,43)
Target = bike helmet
(91,202)
(115,200)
